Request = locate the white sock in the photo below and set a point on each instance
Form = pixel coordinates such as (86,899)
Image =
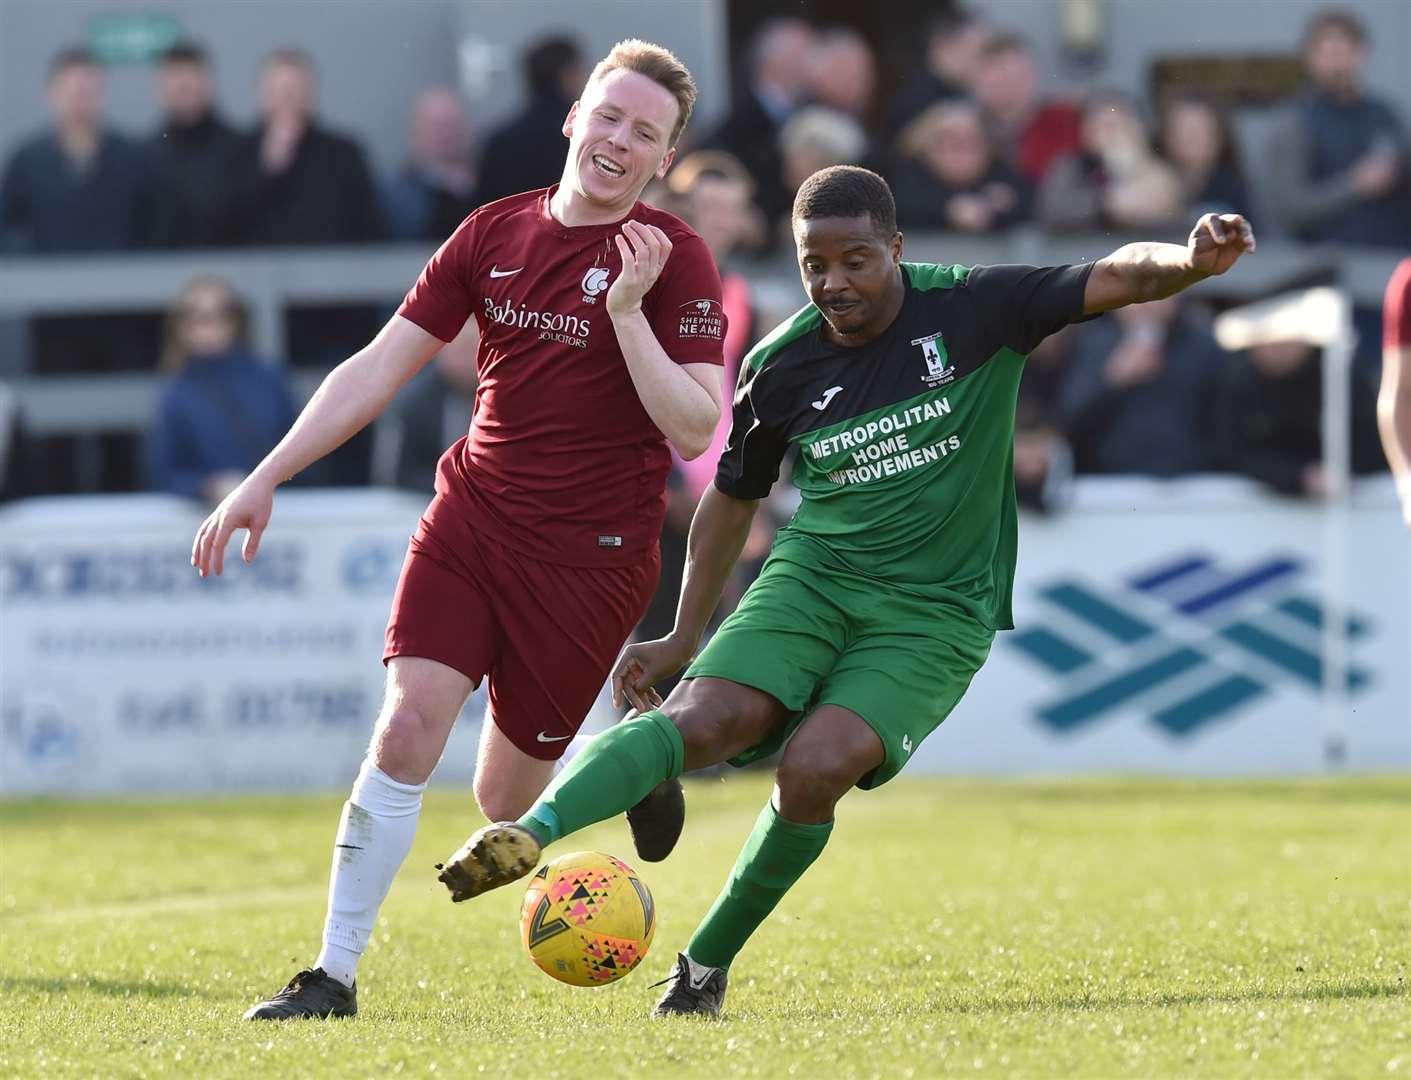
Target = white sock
(374,835)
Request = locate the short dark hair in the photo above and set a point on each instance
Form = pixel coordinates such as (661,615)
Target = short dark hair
(1005,42)
(73,56)
(847,191)
(186,52)
(547,60)
(1339,20)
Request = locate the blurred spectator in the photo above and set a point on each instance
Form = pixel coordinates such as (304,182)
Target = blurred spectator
(1339,168)
(223,410)
(843,73)
(1115,180)
(716,191)
(816,137)
(1137,394)
(1197,141)
(1030,133)
(1269,419)
(17,474)
(194,153)
(1043,460)
(77,186)
(527,153)
(297,182)
(954,44)
(949,178)
(430,413)
(779,58)
(436,188)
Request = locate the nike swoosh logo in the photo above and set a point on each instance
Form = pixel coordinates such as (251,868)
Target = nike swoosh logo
(495,271)
(822,403)
(553,738)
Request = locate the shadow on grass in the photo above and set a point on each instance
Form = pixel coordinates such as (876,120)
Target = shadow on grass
(93,984)
(1175,999)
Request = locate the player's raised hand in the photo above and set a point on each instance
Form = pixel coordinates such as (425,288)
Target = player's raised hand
(247,507)
(1217,241)
(640,667)
(644,250)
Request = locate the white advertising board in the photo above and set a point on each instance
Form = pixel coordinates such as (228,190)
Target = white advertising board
(1162,628)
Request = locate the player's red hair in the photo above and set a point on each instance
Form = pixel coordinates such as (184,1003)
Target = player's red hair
(658,64)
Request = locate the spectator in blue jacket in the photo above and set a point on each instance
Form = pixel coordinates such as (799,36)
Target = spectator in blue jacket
(224,408)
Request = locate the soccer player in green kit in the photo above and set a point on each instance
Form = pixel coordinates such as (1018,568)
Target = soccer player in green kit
(896,387)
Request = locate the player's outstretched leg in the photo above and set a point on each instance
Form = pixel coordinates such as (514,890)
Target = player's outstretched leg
(309,995)
(614,772)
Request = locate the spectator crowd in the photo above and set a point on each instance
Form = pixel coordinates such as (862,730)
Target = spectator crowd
(969,141)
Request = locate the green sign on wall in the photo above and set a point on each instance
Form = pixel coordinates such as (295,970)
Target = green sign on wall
(132,37)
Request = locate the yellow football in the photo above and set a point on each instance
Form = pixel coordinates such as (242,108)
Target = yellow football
(587,919)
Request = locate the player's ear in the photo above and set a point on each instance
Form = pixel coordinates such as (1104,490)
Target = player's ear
(568,120)
(666,163)
(896,246)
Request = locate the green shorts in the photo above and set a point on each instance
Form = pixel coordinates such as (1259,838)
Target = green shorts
(810,634)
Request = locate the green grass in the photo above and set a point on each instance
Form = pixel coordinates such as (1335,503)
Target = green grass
(1114,928)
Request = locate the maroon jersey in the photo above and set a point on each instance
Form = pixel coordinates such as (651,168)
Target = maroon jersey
(562,462)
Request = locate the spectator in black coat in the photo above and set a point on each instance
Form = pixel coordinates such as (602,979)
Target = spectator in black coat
(435,189)
(1196,140)
(527,152)
(297,182)
(954,43)
(1138,391)
(950,178)
(780,58)
(1269,418)
(78,186)
(194,153)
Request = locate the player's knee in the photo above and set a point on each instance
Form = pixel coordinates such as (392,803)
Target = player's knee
(404,746)
(717,720)
(500,800)
(811,780)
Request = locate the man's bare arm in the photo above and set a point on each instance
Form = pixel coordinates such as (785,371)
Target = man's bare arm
(682,400)
(346,402)
(1139,272)
(718,534)
(1394,419)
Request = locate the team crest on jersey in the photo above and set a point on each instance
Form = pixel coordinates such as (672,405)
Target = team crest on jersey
(938,372)
(701,319)
(595,282)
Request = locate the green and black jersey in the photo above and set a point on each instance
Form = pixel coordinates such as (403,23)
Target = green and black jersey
(904,445)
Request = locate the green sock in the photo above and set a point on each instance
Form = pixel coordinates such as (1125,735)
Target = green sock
(612,774)
(773,858)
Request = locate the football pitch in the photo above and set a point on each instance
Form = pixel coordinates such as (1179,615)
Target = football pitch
(1113,928)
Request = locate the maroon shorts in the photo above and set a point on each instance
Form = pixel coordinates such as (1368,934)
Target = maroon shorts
(545,635)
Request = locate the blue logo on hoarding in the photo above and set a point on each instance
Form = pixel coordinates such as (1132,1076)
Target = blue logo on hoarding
(1188,642)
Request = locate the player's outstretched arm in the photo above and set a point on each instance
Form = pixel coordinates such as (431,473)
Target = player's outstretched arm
(1139,272)
(346,402)
(718,534)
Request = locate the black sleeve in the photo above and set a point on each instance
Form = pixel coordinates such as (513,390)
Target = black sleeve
(1022,305)
(749,464)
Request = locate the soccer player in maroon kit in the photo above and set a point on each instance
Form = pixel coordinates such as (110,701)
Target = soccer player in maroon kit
(1394,400)
(600,342)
